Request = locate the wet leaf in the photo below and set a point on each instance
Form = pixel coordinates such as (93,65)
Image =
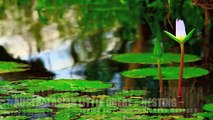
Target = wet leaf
(3,112)
(131,93)
(204,115)
(44,118)
(166,110)
(208,107)
(6,67)
(169,73)
(37,110)
(68,105)
(13,117)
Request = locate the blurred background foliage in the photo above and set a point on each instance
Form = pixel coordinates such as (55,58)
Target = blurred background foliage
(94,25)
(96,17)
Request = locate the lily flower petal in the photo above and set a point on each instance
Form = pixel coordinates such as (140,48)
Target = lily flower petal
(180,30)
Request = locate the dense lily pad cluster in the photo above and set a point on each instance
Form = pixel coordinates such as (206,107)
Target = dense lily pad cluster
(65,99)
(73,102)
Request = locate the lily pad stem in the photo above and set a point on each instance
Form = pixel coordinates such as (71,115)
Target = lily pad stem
(180,82)
(160,78)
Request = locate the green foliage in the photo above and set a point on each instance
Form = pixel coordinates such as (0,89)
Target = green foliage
(208,107)
(169,73)
(149,58)
(11,67)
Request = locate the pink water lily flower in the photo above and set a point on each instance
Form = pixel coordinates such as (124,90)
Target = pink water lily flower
(180,30)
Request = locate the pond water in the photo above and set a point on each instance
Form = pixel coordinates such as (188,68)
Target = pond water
(28,94)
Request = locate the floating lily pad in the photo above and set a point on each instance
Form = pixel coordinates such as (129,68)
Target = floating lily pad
(131,93)
(67,114)
(13,117)
(166,110)
(44,118)
(30,103)
(37,110)
(63,95)
(204,115)
(149,58)
(3,112)
(6,106)
(22,95)
(208,107)
(2,100)
(136,109)
(64,85)
(68,105)
(169,73)
(6,67)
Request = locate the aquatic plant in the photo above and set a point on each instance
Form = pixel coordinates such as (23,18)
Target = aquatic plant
(158,57)
(6,67)
(181,38)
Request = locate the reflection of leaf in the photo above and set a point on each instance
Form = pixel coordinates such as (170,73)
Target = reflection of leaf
(149,58)
(169,73)
(208,107)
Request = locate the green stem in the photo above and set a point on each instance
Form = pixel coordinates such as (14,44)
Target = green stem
(180,82)
(160,78)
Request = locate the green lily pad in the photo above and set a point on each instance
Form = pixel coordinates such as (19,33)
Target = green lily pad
(22,95)
(166,110)
(3,112)
(68,105)
(131,93)
(13,117)
(44,118)
(63,85)
(169,73)
(6,67)
(203,114)
(63,95)
(30,103)
(208,107)
(67,114)
(2,100)
(136,109)
(6,106)
(149,58)
(37,110)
